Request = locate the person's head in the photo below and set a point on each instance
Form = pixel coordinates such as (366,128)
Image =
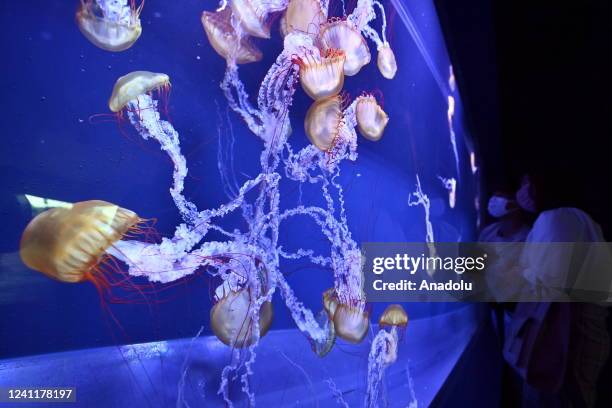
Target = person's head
(550,188)
(501,204)
(526,195)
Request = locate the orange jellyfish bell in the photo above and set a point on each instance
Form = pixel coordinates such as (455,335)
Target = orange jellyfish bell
(134,84)
(323,120)
(305,16)
(252,17)
(111,30)
(322,76)
(230,319)
(386,61)
(339,34)
(67,244)
(351,323)
(394,315)
(225,41)
(371,119)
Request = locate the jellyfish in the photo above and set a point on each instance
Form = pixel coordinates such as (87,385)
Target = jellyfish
(231,319)
(70,244)
(225,41)
(305,16)
(322,76)
(345,302)
(133,94)
(323,122)
(113,25)
(322,348)
(340,34)
(253,15)
(130,86)
(371,119)
(325,320)
(383,351)
(393,316)
(386,61)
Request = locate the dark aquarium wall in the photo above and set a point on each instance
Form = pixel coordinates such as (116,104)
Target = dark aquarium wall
(234,187)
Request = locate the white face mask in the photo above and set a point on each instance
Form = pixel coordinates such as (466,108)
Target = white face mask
(498,206)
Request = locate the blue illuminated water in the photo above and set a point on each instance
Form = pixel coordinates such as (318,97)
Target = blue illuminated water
(54,82)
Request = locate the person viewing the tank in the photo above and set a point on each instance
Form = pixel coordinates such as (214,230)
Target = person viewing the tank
(564,333)
(511,223)
(510,229)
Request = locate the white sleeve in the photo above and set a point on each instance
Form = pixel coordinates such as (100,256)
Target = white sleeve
(546,267)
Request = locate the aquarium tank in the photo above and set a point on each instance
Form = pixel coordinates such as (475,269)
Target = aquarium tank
(186,190)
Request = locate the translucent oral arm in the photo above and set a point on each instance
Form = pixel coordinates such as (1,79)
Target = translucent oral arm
(370,33)
(451,129)
(361,16)
(302,316)
(175,258)
(265,7)
(238,100)
(168,261)
(383,353)
(420,198)
(276,90)
(144,116)
(325,6)
(345,256)
(450,184)
(117,11)
(306,253)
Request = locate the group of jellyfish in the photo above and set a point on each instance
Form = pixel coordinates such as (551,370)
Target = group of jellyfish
(79,243)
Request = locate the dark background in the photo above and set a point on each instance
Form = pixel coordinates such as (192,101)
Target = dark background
(535,77)
(535,81)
